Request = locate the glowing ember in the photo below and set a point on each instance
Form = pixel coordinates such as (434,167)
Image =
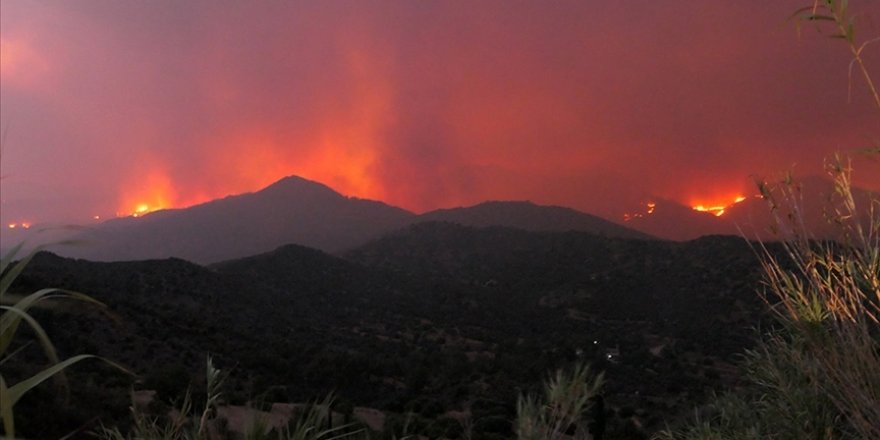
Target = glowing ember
(22,225)
(649,209)
(627,217)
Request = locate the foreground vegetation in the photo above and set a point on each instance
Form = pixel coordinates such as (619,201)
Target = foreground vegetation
(817,374)
(409,329)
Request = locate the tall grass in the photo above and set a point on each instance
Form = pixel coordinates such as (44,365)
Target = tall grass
(838,16)
(562,412)
(830,306)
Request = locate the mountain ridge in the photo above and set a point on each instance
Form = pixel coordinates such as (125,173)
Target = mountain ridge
(295,210)
(532,217)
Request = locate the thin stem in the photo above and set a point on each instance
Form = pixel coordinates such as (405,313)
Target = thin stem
(839,20)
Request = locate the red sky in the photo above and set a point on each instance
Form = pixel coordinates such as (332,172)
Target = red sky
(588,104)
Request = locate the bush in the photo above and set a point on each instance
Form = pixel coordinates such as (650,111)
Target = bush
(563,412)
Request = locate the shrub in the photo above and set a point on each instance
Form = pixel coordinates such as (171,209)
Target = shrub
(562,413)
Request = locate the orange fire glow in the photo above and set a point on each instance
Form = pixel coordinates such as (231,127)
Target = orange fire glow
(717,208)
(341,151)
(145,194)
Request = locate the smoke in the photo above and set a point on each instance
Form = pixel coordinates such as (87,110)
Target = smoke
(593,105)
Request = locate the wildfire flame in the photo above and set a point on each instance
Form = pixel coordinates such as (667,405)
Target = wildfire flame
(718,209)
(147,192)
(649,209)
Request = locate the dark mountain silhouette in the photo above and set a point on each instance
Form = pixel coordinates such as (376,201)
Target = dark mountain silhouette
(531,217)
(292,210)
(298,211)
(431,317)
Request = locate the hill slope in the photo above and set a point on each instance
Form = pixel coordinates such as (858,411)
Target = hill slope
(530,217)
(297,211)
(431,318)
(292,210)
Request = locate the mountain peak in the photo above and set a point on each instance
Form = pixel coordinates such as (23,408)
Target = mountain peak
(296,185)
(294,180)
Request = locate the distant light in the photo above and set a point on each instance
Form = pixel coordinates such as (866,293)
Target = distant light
(12,225)
(26,225)
(97,217)
(595,342)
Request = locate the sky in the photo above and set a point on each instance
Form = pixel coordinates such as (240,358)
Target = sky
(110,107)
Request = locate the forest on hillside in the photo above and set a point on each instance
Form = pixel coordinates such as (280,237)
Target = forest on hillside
(434,320)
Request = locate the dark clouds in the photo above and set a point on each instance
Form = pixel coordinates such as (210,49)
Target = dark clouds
(422,104)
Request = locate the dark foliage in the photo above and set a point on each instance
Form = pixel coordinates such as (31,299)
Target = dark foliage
(432,319)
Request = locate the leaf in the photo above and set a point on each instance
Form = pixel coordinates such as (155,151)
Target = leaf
(10,276)
(7,259)
(6,409)
(803,13)
(13,273)
(9,326)
(13,393)
(10,320)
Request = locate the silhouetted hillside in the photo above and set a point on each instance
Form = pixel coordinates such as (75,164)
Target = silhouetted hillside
(531,217)
(292,210)
(297,211)
(432,318)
